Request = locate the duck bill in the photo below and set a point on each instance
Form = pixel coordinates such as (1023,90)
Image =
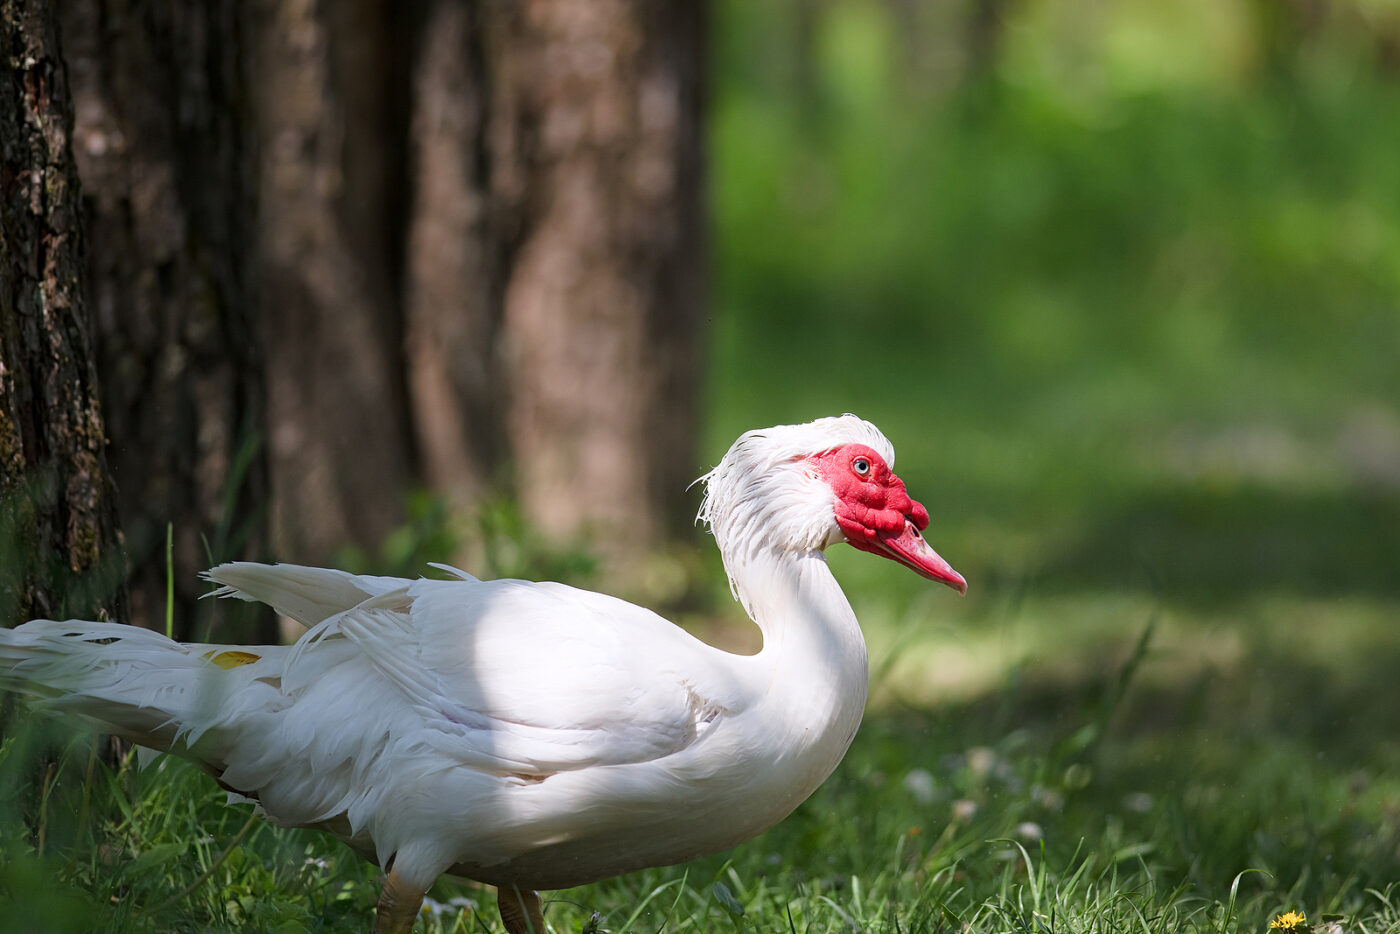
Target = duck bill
(910,550)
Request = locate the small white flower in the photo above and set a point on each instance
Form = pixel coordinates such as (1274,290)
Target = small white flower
(981,761)
(1029,830)
(450,908)
(919,784)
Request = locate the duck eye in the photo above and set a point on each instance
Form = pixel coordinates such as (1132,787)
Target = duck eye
(861,466)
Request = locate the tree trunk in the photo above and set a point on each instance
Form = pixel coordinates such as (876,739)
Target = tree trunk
(554,265)
(985,25)
(330,111)
(164,147)
(454,261)
(505,269)
(58,531)
(596,152)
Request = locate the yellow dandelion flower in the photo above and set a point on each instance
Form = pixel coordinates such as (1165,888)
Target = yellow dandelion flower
(1288,921)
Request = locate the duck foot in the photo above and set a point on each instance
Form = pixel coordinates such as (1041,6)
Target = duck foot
(398,908)
(520,910)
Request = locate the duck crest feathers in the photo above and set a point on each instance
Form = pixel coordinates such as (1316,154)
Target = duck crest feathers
(761,498)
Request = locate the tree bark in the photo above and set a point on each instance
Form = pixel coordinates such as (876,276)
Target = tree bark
(506,270)
(58,528)
(596,151)
(327,103)
(985,26)
(454,268)
(555,265)
(164,143)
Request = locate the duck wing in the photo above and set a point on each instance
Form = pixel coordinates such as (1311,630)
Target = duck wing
(514,678)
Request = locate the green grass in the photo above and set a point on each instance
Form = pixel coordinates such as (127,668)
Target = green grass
(1123,797)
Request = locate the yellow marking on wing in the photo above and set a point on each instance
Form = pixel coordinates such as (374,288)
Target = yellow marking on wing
(231,659)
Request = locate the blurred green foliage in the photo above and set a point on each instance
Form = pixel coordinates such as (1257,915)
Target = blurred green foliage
(1121,282)
(1130,289)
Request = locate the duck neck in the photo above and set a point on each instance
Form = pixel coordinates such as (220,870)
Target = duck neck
(813,652)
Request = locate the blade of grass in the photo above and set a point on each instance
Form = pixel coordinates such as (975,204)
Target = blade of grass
(169,580)
(205,876)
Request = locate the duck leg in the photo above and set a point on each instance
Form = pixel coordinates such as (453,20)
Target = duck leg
(399,903)
(520,910)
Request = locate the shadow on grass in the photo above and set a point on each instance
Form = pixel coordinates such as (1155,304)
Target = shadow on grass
(1288,768)
(1205,544)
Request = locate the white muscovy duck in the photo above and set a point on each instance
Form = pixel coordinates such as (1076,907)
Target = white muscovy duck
(527,735)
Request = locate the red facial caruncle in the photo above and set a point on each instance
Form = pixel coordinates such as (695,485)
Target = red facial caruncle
(876,513)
